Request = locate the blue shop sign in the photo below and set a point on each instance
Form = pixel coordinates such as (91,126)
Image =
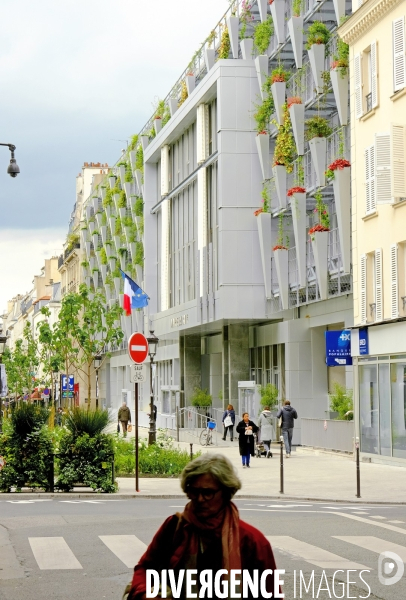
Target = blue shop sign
(338,348)
(363,341)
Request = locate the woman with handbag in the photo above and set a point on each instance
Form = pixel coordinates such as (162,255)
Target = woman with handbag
(228,421)
(246,442)
(265,423)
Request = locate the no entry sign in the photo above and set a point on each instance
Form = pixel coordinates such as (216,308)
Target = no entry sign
(138,348)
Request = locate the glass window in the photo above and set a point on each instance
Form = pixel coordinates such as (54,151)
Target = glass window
(384,410)
(398,388)
(369,417)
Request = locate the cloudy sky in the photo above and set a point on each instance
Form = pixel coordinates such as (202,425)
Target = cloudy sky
(76,78)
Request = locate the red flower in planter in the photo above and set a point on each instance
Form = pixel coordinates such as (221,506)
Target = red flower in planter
(263,132)
(279,247)
(318,227)
(270,1)
(157,117)
(339,163)
(278,79)
(258,212)
(295,190)
(294,100)
(339,64)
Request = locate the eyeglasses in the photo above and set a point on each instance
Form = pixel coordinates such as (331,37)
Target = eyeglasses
(206,493)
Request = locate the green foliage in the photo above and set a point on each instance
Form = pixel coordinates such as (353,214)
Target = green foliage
(317,34)
(128,173)
(84,264)
(297,7)
(122,201)
(266,201)
(201,397)
(280,242)
(210,38)
(126,222)
(162,111)
(279,74)
(341,57)
(134,142)
(81,420)
(285,147)
(22,362)
(264,112)
(139,207)
(225,45)
(26,446)
(103,256)
(108,199)
(117,227)
(122,251)
(262,35)
(139,159)
(139,254)
(321,209)
(184,94)
(72,240)
(341,402)
(269,396)
(104,218)
(317,127)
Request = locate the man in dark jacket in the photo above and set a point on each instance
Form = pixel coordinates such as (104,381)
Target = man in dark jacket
(124,416)
(288,415)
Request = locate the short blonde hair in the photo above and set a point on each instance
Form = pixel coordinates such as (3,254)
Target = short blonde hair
(230,407)
(216,465)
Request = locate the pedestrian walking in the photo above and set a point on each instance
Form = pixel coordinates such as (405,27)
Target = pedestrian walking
(288,415)
(267,429)
(246,442)
(124,416)
(207,536)
(228,421)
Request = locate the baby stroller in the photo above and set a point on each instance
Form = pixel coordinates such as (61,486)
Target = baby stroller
(259,448)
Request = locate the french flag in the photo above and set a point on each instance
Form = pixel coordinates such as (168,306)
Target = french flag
(134,296)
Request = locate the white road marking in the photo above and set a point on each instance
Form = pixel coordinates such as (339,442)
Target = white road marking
(53,553)
(312,554)
(395,521)
(374,544)
(26,501)
(359,512)
(128,548)
(376,517)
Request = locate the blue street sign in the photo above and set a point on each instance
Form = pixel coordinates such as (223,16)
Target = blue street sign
(338,348)
(68,383)
(363,341)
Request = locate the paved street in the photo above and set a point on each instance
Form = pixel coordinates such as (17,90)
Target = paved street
(71,549)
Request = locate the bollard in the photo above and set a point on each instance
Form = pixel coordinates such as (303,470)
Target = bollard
(281,491)
(191,451)
(358,469)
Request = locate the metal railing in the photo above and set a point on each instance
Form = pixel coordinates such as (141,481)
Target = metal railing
(328,434)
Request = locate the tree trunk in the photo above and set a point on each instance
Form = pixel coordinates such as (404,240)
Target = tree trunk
(89,386)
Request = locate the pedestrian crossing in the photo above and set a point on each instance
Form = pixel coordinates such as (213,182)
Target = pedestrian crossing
(54,553)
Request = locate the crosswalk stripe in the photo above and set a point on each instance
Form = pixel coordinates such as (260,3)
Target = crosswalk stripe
(374,544)
(53,553)
(312,554)
(128,548)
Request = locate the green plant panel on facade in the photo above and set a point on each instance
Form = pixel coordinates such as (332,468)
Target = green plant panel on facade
(262,35)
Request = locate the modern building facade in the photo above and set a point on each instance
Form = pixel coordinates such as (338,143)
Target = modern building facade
(376,35)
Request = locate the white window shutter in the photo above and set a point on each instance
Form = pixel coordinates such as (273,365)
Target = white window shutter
(383,168)
(165,283)
(394,293)
(398,162)
(358,86)
(165,170)
(202,132)
(363,288)
(374,74)
(370,201)
(378,285)
(399,77)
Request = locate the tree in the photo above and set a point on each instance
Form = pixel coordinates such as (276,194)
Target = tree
(269,396)
(341,402)
(50,356)
(21,363)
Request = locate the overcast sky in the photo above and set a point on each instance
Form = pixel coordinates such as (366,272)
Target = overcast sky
(76,77)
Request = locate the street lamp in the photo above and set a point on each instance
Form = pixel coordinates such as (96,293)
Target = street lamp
(13,169)
(152,347)
(97,362)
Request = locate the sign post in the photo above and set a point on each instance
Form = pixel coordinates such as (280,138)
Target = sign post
(138,351)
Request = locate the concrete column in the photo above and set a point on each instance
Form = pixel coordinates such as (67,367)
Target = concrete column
(226,383)
(192,365)
(238,358)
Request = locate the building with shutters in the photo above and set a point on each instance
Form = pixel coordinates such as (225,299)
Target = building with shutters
(376,35)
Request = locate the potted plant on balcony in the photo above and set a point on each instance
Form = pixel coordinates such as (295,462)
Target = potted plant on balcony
(317,131)
(339,171)
(117,279)
(112,180)
(279,77)
(319,238)
(85,268)
(95,276)
(318,37)
(262,36)
(122,252)
(233,23)
(95,239)
(209,52)
(246,17)
(263,10)
(296,112)
(278,16)
(339,80)
(283,157)
(264,223)
(297,196)
(281,258)
(190,79)
(225,45)
(295,28)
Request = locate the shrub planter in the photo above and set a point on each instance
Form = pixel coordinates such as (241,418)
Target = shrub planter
(88,212)
(103,233)
(107,210)
(123,212)
(316,58)
(133,247)
(95,276)
(92,262)
(123,261)
(133,159)
(144,141)
(95,203)
(262,142)
(85,273)
(98,217)
(95,239)
(264,223)
(233,25)
(103,192)
(107,290)
(112,263)
(339,9)
(127,188)
(139,272)
(295,28)
(297,117)
(117,283)
(87,249)
(263,9)
(342,197)
(320,252)
(261,67)
(278,17)
(279,172)
(318,148)
(121,170)
(112,224)
(139,178)
(116,199)
(112,181)
(92,227)
(278,90)
(157,125)
(88,281)
(117,242)
(340,90)
(190,83)
(246,46)
(209,58)
(109,250)
(298,207)
(281,258)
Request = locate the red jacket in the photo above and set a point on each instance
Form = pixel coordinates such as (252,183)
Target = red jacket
(255,550)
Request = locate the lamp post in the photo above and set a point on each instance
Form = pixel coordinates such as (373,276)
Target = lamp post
(13,169)
(3,341)
(97,362)
(152,347)
(54,380)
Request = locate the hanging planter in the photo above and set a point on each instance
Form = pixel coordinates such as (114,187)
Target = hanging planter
(339,9)
(92,227)
(117,283)
(127,188)
(112,181)
(262,142)
(281,259)
(107,290)
(88,249)
(157,124)
(112,223)
(95,277)
(121,170)
(98,220)
(190,82)
(209,58)
(233,31)
(317,59)
(261,67)
(139,272)
(88,281)
(103,233)
(297,117)
(122,211)
(103,271)
(278,89)
(263,9)
(264,223)
(117,242)
(339,82)
(133,159)
(108,249)
(112,263)
(318,149)
(133,248)
(88,212)
(123,260)
(95,239)
(319,241)
(342,195)
(144,141)
(297,197)
(108,211)
(295,28)
(139,177)
(279,173)
(278,17)
(116,199)
(246,46)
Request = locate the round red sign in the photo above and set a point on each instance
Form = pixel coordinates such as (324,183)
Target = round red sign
(138,348)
